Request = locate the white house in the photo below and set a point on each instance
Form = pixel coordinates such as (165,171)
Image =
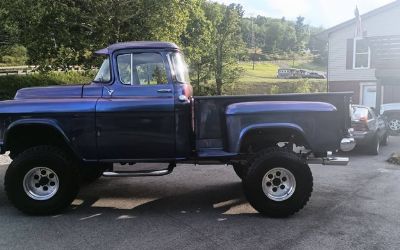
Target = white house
(352,65)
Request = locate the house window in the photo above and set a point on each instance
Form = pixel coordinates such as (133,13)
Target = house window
(362,54)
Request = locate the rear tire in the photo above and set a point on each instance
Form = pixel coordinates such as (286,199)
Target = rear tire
(42,180)
(240,170)
(374,147)
(279,183)
(385,140)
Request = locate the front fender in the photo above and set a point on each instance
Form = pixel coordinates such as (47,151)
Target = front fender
(50,123)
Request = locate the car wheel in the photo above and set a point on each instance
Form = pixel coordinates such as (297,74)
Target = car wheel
(278,183)
(394,125)
(42,180)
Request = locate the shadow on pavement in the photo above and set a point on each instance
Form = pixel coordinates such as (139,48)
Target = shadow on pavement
(122,202)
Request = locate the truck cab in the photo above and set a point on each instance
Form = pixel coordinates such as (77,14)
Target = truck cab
(145,103)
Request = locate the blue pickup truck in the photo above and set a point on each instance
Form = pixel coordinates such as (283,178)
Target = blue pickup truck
(140,108)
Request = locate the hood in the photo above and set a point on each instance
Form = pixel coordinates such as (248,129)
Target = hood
(70,91)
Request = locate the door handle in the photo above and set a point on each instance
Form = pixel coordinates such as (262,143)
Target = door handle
(164,91)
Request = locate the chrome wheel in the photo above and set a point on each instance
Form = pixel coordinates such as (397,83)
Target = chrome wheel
(394,125)
(41,183)
(279,184)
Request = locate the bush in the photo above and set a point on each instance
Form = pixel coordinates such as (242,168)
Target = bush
(10,84)
(205,90)
(291,86)
(14,55)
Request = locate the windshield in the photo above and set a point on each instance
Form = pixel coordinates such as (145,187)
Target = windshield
(359,113)
(180,68)
(104,74)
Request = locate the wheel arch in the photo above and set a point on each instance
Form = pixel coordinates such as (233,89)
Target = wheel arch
(276,132)
(25,133)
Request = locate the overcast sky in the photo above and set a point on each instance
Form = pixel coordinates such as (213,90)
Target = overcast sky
(324,13)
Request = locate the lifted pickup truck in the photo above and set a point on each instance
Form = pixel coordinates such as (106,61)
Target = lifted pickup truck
(140,108)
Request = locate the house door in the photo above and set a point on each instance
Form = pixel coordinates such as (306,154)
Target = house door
(368,95)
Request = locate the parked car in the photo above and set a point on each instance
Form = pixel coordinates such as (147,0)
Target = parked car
(288,74)
(316,75)
(391,113)
(140,108)
(369,129)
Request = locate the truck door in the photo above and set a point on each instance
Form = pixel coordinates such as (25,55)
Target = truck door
(135,117)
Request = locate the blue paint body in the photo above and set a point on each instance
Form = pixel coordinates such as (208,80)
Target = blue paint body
(145,123)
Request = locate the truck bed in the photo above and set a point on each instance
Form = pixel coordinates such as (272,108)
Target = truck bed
(210,119)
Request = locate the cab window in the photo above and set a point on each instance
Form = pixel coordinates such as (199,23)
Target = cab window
(142,69)
(104,73)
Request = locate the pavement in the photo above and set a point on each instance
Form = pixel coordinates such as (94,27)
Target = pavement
(203,207)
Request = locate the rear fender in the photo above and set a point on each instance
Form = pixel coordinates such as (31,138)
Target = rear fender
(288,128)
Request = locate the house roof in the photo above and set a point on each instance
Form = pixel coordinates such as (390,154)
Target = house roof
(137,45)
(325,33)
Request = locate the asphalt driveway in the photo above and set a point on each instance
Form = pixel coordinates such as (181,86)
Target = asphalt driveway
(198,207)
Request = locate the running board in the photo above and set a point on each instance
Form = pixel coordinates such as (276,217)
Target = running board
(140,173)
(338,161)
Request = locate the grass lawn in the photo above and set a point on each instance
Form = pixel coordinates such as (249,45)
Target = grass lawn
(263,80)
(263,72)
(266,72)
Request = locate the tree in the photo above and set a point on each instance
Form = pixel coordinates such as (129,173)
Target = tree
(8,28)
(60,33)
(227,42)
(318,46)
(289,40)
(302,33)
(196,41)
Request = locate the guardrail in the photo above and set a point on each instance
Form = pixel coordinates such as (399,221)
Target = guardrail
(17,70)
(29,69)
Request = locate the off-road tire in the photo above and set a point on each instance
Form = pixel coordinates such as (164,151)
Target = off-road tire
(240,169)
(42,156)
(263,162)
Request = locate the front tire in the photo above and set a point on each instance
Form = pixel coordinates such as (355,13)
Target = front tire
(41,181)
(279,183)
